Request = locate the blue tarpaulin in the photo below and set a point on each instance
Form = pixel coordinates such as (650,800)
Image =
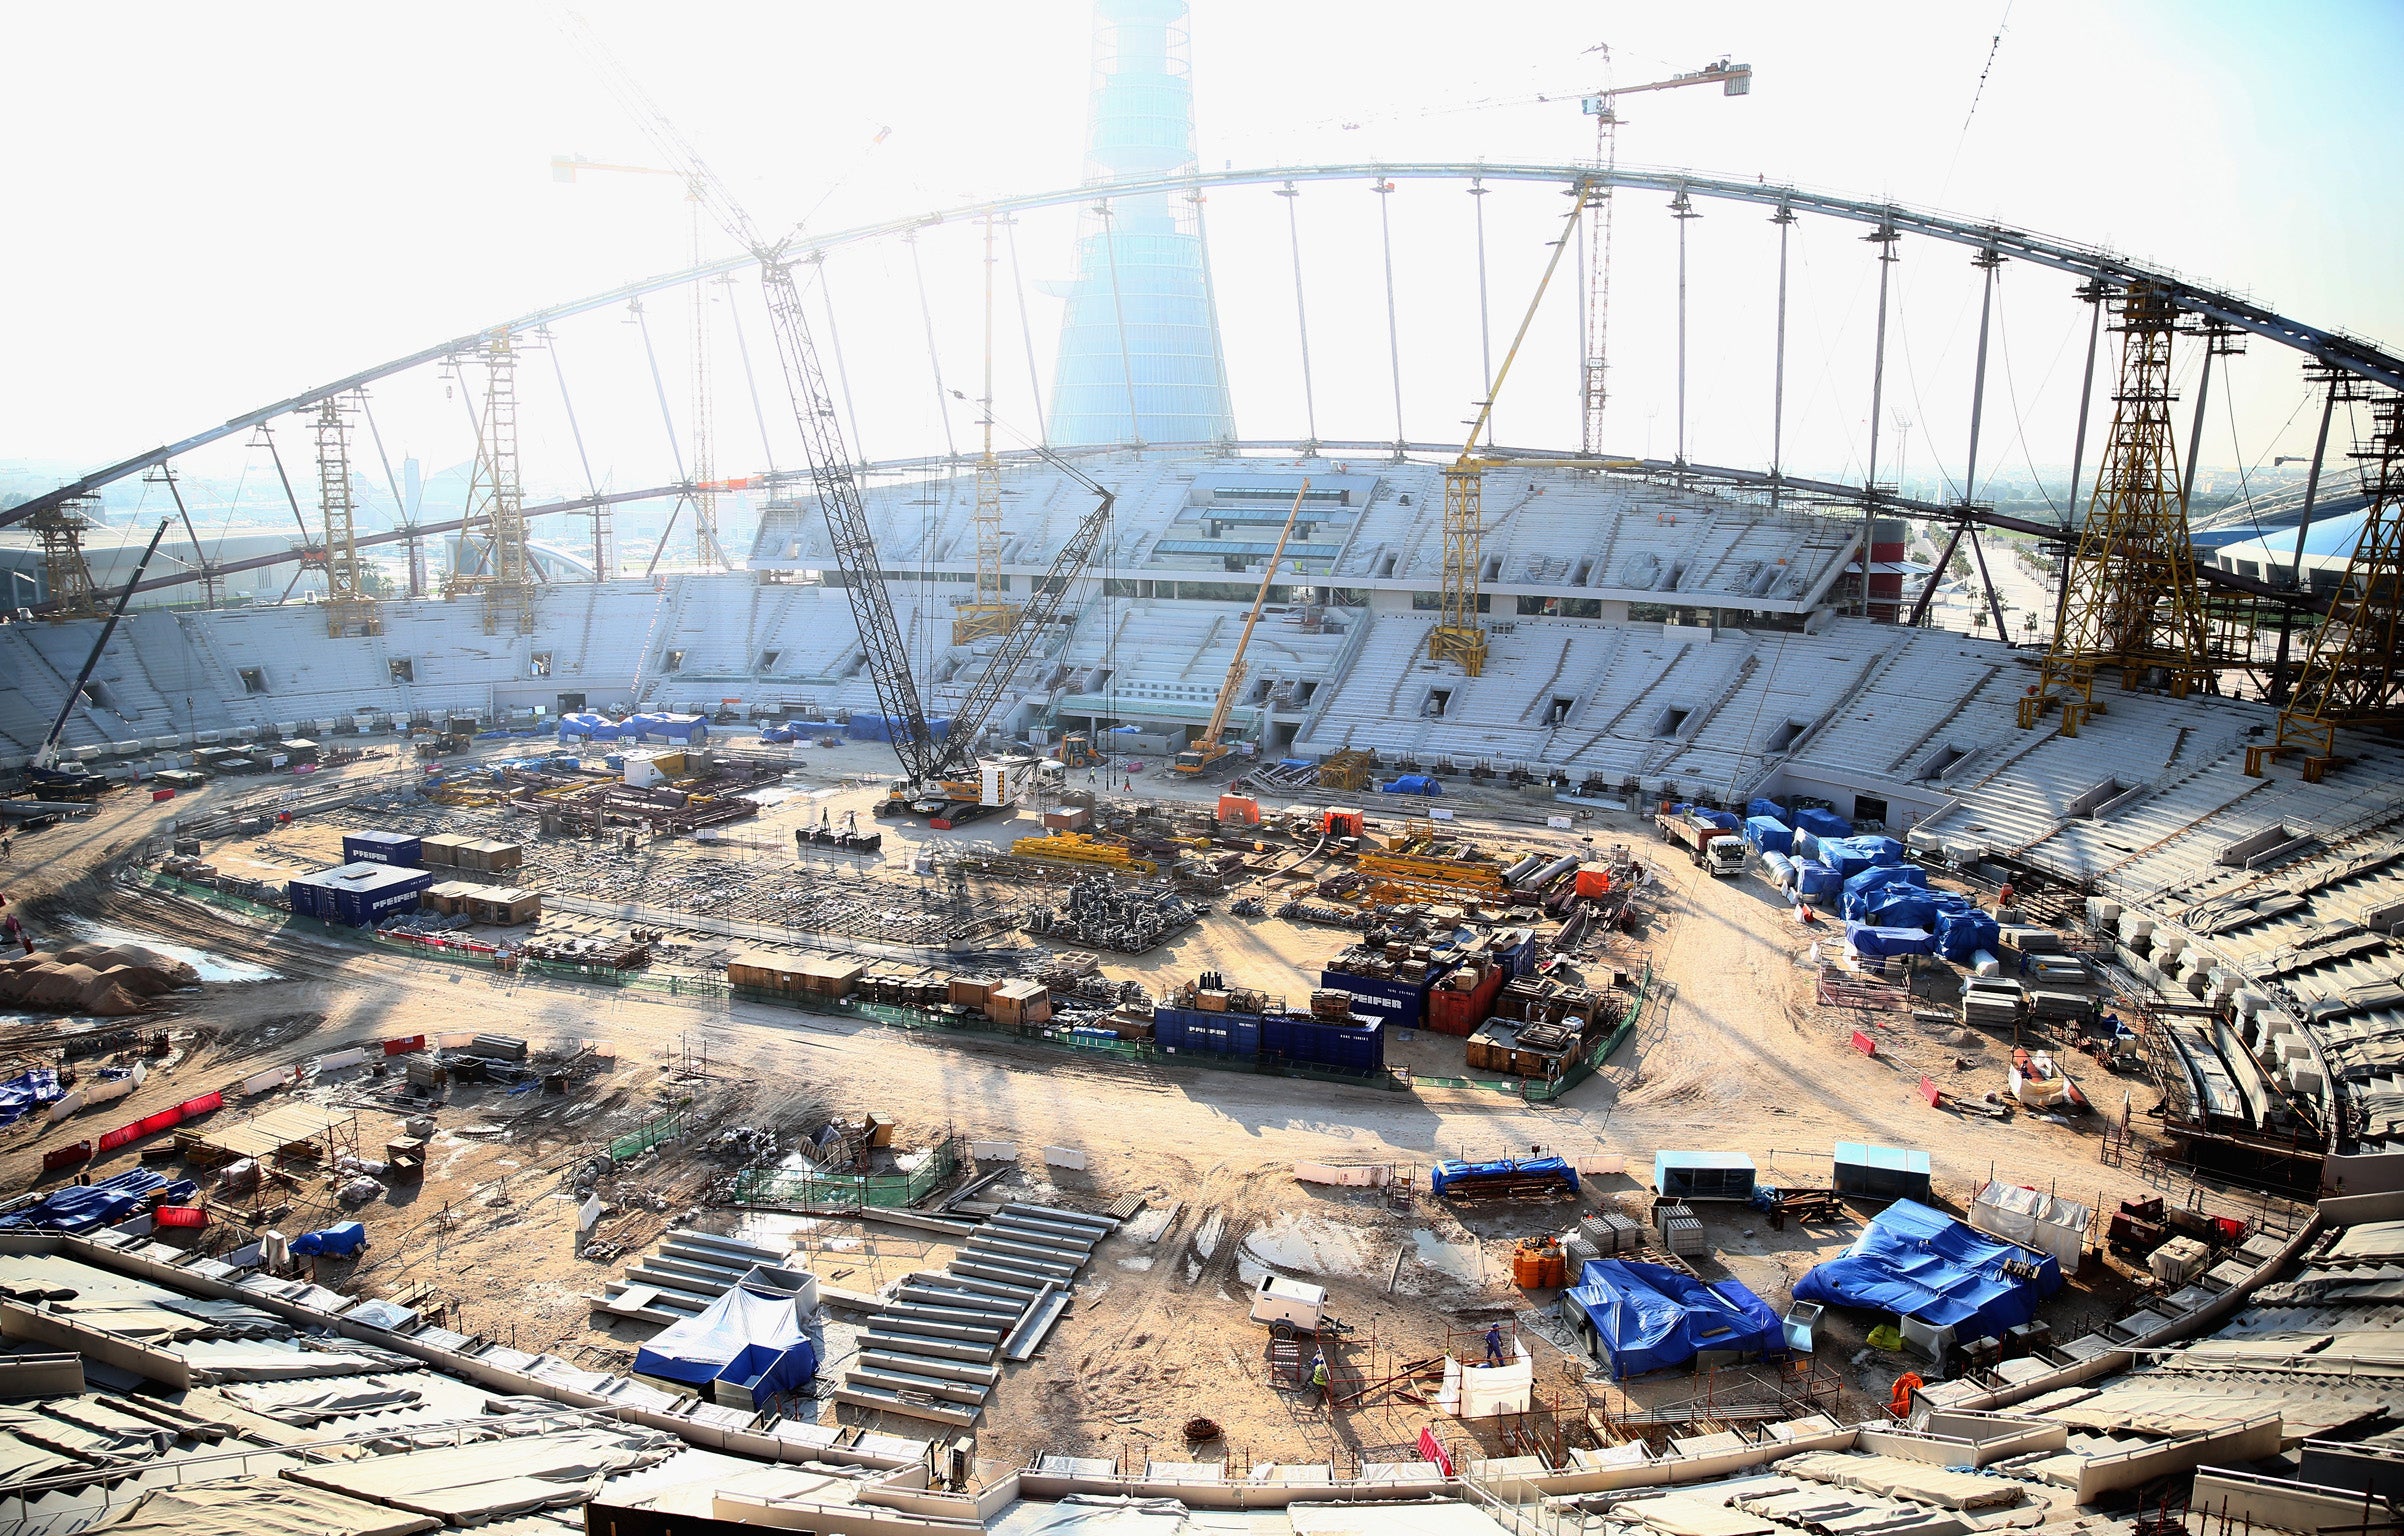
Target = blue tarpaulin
(1767,834)
(871,727)
(81,1207)
(1877,878)
(754,1338)
(1452,1169)
(1962,934)
(1822,822)
(1817,882)
(1878,943)
(1726,821)
(1923,1264)
(1849,856)
(335,1242)
(26,1092)
(1904,907)
(1647,1317)
(1412,784)
(1770,808)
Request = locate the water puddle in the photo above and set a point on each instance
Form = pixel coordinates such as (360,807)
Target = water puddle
(1308,1245)
(211,967)
(1139,1263)
(1463,1261)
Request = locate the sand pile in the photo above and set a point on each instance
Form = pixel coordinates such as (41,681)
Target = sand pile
(111,980)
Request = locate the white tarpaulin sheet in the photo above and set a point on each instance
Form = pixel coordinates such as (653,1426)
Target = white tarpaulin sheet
(263,1506)
(2033,1219)
(469,1484)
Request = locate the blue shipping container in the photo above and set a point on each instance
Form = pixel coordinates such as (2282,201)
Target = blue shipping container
(1357,1046)
(381,848)
(1199,1032)
(358,894)
(1398,1004)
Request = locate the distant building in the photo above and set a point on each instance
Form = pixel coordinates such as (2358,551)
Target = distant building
(1139,357)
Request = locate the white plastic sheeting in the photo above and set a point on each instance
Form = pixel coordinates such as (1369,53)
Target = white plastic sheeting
(2034,1219)
(263,1506)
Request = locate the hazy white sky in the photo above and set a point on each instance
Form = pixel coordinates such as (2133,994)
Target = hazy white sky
(215,207)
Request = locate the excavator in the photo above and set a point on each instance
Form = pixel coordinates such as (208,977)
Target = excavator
(46,776)
(1195,760)
(942,779)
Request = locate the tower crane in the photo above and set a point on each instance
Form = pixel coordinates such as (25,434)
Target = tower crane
(1459,637)
(1602,106)
(1197,758)
(935,772)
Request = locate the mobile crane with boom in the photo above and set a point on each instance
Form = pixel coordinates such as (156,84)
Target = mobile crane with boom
(49,778)
(941,779)
(1196,759)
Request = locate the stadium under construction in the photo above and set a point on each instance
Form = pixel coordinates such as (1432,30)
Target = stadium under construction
(1145,975)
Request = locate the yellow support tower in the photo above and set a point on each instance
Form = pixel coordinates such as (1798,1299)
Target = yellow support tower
(350,608)
(1460,635)
(66,576)
(2354,677)
(989,610)
(2130,597)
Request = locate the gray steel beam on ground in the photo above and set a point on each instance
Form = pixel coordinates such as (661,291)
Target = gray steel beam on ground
(2352,354)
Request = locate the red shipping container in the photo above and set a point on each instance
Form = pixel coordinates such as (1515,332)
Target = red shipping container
(180,1216)
(404,1045)
(1451,1012)
(1594,880)
(66,1157)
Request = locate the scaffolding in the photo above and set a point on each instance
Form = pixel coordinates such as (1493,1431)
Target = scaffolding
(501,574)
(350,607)
(2129,593)
(66,576)
(2352,678)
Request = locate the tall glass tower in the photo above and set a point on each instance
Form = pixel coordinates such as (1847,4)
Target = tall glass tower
(1139,346)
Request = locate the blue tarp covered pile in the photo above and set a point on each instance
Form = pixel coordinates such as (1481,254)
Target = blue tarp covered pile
(590,726)
(1822,822)
(1770,808)
(1871,943)
(1962,934)
(754,1338)
(81,1207)
(1923,1264)
(1452,1171)
(26,1092)
(1849,856)
(1863,890)
(1767,834)
(1412,784)
(1726,821)
(1817,882)
(799,730)
(335,1242)
(872,727)
(1647,1317)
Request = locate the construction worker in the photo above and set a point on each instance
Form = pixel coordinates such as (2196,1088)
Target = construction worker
(1319,1371)
(1494,1344)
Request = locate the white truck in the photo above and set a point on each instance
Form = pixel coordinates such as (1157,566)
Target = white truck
(1289,1307)
(1712,848)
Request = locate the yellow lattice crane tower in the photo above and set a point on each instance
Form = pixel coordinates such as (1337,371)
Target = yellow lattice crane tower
(988,610)
(67,591)
(496,500)
(2353,679)
(1460,635)
(2130,597)
(350,608)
